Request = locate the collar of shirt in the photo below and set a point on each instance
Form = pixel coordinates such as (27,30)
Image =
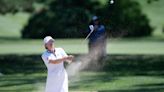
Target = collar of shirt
(53,52)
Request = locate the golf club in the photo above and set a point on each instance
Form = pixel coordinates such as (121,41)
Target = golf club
(91,27)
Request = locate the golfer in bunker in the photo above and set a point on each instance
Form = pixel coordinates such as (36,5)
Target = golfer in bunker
(54,58)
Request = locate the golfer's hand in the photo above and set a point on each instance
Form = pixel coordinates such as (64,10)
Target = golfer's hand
(70,57)
(91,27)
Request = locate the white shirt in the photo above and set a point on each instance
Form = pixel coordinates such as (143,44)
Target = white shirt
(57,79)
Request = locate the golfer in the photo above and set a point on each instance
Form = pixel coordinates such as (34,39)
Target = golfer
(98,38)
(57,79)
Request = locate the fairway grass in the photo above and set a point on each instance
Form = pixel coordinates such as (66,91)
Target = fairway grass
(12,24)
(118,73)
(85,82)
(155,13)
(75,46)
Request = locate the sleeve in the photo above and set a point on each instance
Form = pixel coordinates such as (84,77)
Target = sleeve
(45,58)
(102,28)
(63,52)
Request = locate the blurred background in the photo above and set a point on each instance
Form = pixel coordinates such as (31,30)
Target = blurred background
(135,45)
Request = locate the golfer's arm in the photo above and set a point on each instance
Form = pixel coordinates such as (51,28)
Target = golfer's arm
(57,61)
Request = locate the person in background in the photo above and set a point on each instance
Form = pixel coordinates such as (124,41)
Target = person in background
(97,39)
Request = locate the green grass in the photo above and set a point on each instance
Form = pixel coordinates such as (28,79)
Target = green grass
(120,73)
(75,46)
(123,79)
(21,82)
(11,25)
(87,81)
(104,82)
(155,13)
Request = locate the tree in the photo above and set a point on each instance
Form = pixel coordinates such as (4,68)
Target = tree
(63,19)
(125,19)
(69,18)
(151,1)
(13,6)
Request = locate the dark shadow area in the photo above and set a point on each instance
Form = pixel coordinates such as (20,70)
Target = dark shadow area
(134,64)
(89,79)
(115,64)
(158,86)
(9,81)
(9,38)
(152,85)
(25,64)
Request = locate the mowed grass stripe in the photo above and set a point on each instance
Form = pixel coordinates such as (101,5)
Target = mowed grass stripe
(76,46)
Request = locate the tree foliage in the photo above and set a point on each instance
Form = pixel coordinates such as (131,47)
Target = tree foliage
(70,18)
(124,18)
(13,6)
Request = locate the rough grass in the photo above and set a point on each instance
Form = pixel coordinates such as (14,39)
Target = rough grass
(121,73)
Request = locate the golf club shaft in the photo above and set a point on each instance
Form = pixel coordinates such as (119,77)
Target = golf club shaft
(92,29)
(88,35)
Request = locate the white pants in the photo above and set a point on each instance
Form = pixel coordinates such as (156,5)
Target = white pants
(57,82)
